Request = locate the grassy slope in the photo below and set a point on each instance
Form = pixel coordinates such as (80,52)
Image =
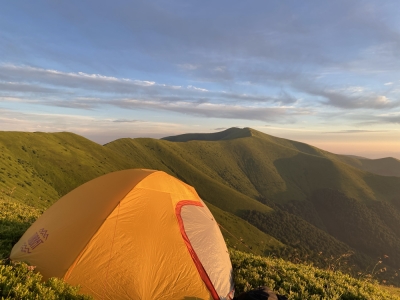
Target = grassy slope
(231,173)
(362,227)
(262,166)
(19,281)
(242,235)
(393,291)
(285,172)
(300,281)
(228,134)
(42,167)
(36,169)
(15,219)
(214,180)
(189,167)
(387,166)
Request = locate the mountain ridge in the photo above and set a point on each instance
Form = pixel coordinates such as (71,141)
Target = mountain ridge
(227,134)
(386,166)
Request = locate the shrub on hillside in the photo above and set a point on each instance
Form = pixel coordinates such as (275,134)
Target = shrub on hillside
(19,281)
(299,281)
(15,219)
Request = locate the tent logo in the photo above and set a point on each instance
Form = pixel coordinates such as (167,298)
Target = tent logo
(35,240)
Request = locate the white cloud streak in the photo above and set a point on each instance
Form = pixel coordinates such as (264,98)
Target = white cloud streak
(356,131)
(80,90)
(142,94)
(211,110)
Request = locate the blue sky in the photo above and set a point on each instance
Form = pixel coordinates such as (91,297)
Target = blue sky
(325,73)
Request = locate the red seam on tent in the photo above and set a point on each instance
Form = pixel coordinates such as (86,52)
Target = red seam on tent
(196,260)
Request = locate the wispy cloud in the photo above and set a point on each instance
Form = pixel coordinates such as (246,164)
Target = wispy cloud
(395,119)
(94,92)
(191,87)
(72,88)
(212,110)
(126,121)
(347,98)
(27,75)
(188,66)
(374,119)
(367,101)
(355,131)
(17,87)
(32,79)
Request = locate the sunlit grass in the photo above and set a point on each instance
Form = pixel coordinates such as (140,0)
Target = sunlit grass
(302,281)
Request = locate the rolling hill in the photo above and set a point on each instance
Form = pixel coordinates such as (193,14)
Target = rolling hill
(36,169)
(387,166)
(277,196)
(290,177)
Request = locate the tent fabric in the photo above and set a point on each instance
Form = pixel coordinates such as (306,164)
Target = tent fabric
(214,257)
(132,234)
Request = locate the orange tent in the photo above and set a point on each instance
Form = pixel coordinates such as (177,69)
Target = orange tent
(132,234)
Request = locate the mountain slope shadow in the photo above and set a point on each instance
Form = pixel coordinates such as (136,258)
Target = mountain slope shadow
(357,224)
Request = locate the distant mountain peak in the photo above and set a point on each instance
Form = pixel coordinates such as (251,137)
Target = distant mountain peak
(228,134)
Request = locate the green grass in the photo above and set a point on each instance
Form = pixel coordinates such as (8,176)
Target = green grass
(241,235)
(19,281)
(391,290)
(43,167)
(302,281)
(387,166)
(260,166)
(15,219)
(192,165)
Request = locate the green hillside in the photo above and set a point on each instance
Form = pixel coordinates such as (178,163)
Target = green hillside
(36,169)
(387,166)
(207,168)
(282,174)
(254,241)
(228,134)
(270,195)
(15,219)
(261,167)
(302,281)
(373,229)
